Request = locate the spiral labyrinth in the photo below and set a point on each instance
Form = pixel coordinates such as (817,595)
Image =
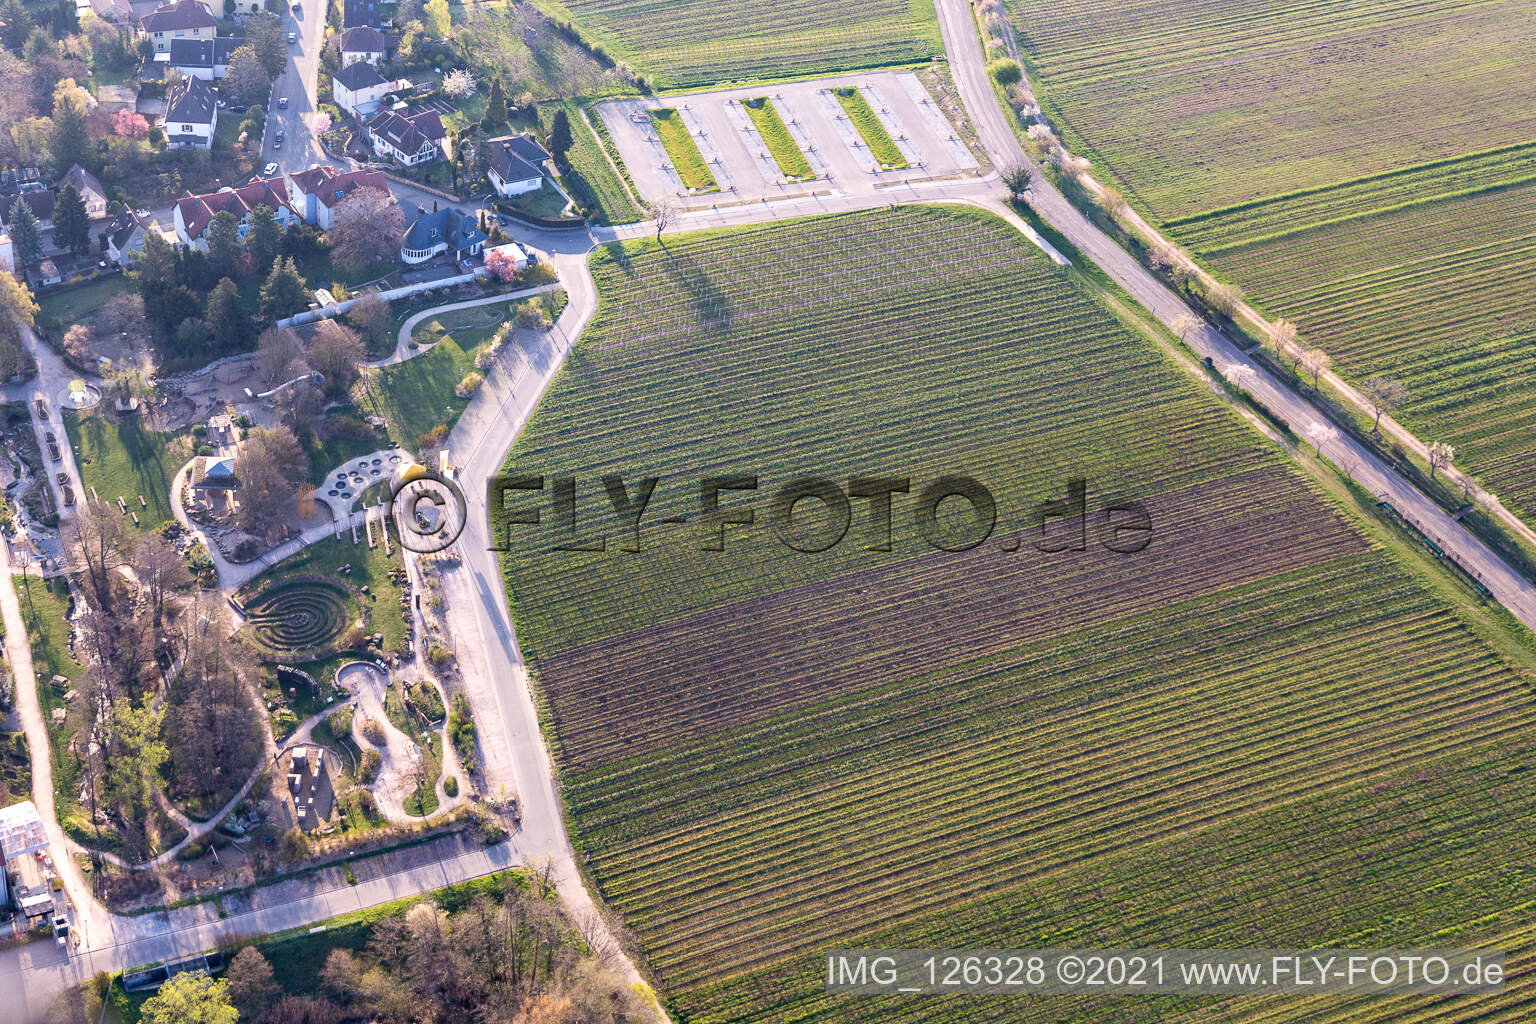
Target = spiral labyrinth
(298,616)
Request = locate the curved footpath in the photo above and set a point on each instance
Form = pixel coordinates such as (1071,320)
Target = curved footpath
(497,683)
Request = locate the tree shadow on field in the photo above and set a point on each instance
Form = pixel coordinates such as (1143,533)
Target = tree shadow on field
(711,305)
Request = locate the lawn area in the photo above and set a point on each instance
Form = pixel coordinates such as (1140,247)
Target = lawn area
(227,131)
(1038,741)
(416,396)
(44,607)
(683,151)
(370,568)
(786,152)
(546,201)
(881,146)
(693,42)
(120,458)
(61,310)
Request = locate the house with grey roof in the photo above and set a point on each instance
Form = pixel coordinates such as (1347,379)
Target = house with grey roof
(207,59)
(191,114)
(441,231)
(516,163)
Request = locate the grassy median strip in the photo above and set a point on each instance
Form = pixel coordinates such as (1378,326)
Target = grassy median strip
(684,152)
(786,152)
(879,141)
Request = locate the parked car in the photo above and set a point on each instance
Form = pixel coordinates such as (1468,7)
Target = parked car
(69,496)
(282,104)
(54,453)
(42,407)
(277,143)
(48,436)
(269,171)
(293,37)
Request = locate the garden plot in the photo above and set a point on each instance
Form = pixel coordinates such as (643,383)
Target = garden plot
(742,162)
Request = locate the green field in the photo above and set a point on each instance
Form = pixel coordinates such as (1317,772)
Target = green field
(121,459)
(1199,105)
(881,146)
(692,42)
(1261,730)
(786,152)
(1306,154)
(370,568)
(682,150)
(417,395)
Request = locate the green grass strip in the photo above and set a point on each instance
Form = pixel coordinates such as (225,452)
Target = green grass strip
(682,150)
(879,141)
(786,152)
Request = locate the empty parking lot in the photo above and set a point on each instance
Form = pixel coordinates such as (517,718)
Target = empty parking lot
(740,160)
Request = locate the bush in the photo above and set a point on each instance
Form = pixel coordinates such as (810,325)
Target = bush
(469,384)
(373,731)
(451,786)
(440,656)
(368,769)
(1005,71)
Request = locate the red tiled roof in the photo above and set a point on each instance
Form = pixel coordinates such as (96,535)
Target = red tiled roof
(198,211)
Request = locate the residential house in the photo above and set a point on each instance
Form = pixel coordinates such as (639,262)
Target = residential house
(191,114)
(125,237)
(182,19)
(315,193)
(516,253)
(38,199)
(207,59)
(445,230)
(407,137)
(192,214)
(363,43)
(90,190)
(7,252)
(115,12)
(358,88)
(242,9)
(516,163)
(363,12)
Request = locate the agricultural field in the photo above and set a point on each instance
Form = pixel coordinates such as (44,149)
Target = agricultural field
(682,150)
(1203,104)
(1337,188)
(692,42)
(781,144)
(881,146)
(592,179)
(1260,730)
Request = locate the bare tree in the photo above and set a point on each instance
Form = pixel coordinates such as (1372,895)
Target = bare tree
(1239,375)
(1317,361)
(269,466)
(663,212)
(279,356)
(1386,394)
(101,538)
(1440,456)
(1184,325)
(160,569)
(1320,434)
(337,352)
(365,228)
(370,318)
(1164,255)
(1281,337)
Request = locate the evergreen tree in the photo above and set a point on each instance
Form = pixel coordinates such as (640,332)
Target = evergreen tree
(66,19)
(224,243)
(560,135)
(227,322)
(496,106)
(71,140)
(71,224)
(26,233)
(264,240)
(284,293)
(15,25)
